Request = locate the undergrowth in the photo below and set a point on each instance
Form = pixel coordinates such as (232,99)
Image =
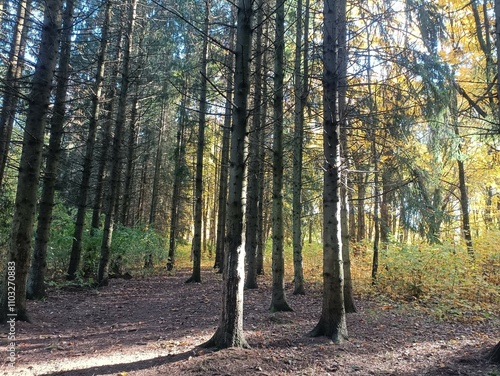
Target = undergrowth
(442,279)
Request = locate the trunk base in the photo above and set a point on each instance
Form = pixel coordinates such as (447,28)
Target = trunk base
(220,341)
(495,354)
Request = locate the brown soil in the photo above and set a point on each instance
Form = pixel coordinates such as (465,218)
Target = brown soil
(152,326)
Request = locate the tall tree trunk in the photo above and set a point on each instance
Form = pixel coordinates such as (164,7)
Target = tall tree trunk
(176,191)
(76,248)
(278,299)
(12,76)
(109,110)
(253,186)
(261,208)
(224,169)
(361,222)
(13,306)
(462,186)
(376,221)
(230,330)
(301,94)
(198,209)
(103,271)
(344,204)
(36,279)
(375,164)
(157,169)
(332,322)
(130,163)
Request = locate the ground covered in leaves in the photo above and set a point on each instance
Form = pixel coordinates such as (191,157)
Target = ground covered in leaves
(149,326)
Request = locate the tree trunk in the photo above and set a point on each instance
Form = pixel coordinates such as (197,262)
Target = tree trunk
(253,186)
(261,208)
(230,330)
(301,94)
(332,322)
(76,248)
(109,109)
(375,164)
(176,190)
(361,222)
(13,298)
(198,209)
(495,354)
(103,271)
(278,299)
(12,76)
(125,218)
(464,197)
(157,169)
(224,169)
(36,279)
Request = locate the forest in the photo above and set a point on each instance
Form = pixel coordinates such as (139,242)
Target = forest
(250,187)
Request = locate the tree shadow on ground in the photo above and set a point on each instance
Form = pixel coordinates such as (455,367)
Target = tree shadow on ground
(115,369)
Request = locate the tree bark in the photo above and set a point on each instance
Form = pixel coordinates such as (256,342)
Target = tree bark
(198,209)
(224,169)
(13,302)
(125,217)
(495,354)
(176,190)
(36,279)
(332,322)
(301,72)
(103,271)
(462,186)
(230,330)
(12,76)
(76,248)
(253,185)
(278,299)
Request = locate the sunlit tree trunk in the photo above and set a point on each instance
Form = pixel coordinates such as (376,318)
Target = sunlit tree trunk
(332,322)
(13,74)
(76,248)
(198,207)
(36,279)
(103,270)
(253,185)
(224,168)
(344,204)
(18,257)
(230,330)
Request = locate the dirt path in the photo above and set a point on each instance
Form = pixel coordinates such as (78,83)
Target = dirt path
(151,326)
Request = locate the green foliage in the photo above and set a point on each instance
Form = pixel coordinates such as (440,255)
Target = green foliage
(132,245)
(7,199)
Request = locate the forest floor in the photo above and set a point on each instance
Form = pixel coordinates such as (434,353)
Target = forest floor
(150,326)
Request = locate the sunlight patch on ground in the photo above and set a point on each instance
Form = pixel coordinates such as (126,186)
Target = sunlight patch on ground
(126,356)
